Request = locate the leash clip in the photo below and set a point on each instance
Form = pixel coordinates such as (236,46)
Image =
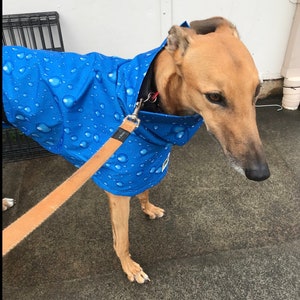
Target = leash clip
(152,97)
(134,116)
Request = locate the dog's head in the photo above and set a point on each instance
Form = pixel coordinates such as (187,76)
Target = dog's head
(218,79)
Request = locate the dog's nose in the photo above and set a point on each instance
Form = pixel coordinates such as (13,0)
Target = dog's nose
(258,173)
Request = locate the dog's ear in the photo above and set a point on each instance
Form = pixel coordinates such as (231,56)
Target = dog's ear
(179,38)
(215,24)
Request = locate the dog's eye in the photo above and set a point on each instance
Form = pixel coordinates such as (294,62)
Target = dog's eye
(215,98)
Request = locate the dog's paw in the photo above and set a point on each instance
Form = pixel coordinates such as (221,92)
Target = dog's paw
(140,277)
(153,211)
(7,203)
(134,271)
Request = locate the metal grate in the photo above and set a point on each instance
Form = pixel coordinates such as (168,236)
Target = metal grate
(35,31)
(17,146)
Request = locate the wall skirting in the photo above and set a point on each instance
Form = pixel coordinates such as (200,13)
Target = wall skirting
(272,87)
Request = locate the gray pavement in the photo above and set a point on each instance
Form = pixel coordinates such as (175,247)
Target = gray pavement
(223,237)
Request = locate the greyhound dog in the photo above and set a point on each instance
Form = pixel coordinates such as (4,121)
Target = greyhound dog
(203,72)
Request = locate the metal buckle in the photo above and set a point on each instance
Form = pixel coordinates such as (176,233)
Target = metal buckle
(152,97)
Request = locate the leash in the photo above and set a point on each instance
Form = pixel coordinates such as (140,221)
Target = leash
(27,223)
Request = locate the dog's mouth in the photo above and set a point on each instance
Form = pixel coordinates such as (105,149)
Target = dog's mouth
(232,161)
(235,165)
(253,169)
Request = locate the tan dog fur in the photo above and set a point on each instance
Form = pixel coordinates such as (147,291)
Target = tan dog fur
(205,70)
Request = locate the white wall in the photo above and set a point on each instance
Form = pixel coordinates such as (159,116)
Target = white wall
(291,65)
(126,28)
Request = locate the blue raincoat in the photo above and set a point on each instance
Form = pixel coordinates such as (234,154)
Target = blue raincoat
(71,104)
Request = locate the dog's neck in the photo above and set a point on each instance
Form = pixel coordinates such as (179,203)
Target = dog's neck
(169,85)
(163,79)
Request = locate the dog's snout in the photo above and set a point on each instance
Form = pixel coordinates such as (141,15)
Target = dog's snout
(258,172)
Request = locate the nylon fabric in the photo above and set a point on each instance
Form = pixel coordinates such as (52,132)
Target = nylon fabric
(71,104)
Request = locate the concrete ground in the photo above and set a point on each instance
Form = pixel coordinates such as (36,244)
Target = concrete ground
(223,237)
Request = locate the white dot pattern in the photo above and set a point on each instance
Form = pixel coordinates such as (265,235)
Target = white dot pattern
(71,104)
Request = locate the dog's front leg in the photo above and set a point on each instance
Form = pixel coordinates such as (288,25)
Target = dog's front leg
(148,208)
(119,212)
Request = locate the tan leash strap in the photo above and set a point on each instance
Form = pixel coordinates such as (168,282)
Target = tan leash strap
(23,226)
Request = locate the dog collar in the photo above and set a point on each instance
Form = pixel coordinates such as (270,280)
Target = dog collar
(148,91)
